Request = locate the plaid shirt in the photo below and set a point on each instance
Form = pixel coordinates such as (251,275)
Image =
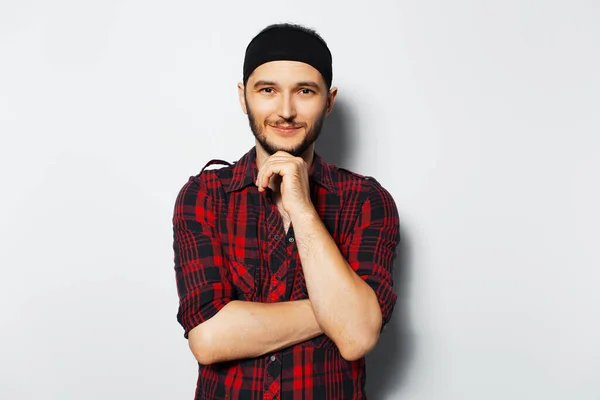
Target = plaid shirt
(230,244)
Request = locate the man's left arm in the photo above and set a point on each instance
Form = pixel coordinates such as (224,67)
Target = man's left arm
(351,287)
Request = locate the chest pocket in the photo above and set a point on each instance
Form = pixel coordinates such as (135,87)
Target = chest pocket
(242,256)
(240,244)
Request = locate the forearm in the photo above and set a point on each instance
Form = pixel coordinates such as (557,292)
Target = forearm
(246,329)
(345,306)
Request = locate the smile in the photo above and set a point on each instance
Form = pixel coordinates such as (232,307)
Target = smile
(285,130)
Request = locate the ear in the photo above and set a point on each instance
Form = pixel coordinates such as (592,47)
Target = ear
(331,99)
(242,98)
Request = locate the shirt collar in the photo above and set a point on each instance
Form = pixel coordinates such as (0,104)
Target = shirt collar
(245,172)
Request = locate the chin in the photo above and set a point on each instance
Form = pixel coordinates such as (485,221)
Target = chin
(272,148)
(291,150)
(287,145)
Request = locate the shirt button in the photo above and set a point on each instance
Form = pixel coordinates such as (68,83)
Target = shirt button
(291,240)
(276,237)
(273,358)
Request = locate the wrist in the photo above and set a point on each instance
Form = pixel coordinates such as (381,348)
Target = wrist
(304,212)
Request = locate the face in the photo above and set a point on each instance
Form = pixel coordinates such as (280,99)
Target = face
(286,103)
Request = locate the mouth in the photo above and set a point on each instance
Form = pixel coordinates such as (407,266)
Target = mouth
(285,130)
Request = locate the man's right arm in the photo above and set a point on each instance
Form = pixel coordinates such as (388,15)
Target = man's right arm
(218,327)
(245,329)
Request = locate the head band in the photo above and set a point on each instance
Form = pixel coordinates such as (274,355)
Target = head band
(291,44)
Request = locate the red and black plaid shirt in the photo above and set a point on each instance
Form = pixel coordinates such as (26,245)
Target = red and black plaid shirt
(230,244)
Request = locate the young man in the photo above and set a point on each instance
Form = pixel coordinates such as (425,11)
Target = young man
(284,262)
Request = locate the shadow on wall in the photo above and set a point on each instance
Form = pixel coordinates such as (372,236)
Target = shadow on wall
(336,143)
(389,361)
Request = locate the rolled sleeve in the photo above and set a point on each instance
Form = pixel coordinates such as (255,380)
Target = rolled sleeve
(372,244)
(203,283)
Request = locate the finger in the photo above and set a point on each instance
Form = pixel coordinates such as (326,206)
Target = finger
(286,162)
(272,169)
(260,177)
(260,174)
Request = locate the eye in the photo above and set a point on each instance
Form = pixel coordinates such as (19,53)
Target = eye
(306,91)
(267,90)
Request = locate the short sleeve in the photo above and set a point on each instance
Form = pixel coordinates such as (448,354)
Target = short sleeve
(203,283)
(370,248)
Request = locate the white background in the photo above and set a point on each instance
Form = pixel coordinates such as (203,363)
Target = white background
(480,117)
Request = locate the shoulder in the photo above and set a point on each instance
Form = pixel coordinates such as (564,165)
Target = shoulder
(367,187)
(349,174)
(215,173)
(208,182)
(347,179)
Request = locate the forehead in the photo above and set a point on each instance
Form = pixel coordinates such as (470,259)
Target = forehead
(284,72)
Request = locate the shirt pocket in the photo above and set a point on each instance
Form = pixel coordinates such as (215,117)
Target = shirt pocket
(243,278)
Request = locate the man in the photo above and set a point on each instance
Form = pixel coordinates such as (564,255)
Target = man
(284,262)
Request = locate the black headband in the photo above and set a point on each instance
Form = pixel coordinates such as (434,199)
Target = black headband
(287,43)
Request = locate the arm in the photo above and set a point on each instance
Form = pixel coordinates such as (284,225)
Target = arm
(218,327)
(246,329)
(351,288)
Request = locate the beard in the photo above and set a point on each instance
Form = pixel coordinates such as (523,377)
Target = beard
(311,136)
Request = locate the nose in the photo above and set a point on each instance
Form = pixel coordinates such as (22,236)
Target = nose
(287,109)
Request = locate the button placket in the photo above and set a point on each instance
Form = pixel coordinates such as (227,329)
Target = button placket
(271,373)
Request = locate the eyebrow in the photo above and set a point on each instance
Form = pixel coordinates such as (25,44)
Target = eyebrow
(311,84)
(264,83)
